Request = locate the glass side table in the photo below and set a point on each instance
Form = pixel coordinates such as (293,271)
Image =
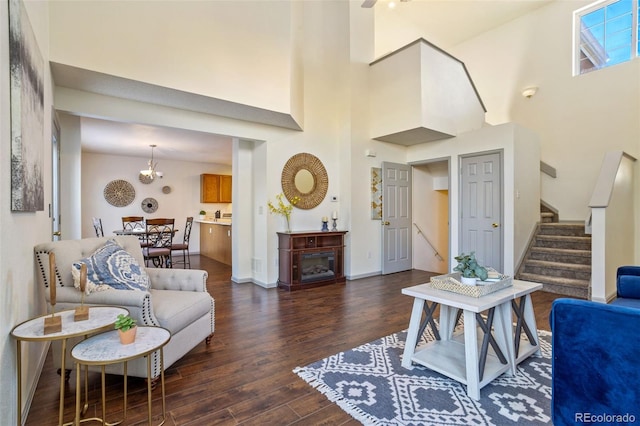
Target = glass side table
(101,318)
(105,349)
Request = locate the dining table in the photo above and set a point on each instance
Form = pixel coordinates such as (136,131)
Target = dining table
(137,232)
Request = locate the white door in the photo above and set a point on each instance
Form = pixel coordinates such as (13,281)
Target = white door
(396,218)
(481,208)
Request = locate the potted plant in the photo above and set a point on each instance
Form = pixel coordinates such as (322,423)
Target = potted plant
(126,327)
(202,214)
(470,269)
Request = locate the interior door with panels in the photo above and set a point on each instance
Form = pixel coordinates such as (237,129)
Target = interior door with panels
(396,218)
(481,208)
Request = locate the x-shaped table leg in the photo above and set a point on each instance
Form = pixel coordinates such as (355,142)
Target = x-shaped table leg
(487,340)
(429,311)
(521,324)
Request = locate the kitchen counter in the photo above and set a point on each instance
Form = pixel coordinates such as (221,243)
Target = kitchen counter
(224,222)
(215,239)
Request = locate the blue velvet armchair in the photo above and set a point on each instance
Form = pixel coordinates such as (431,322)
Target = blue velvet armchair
(628,287)
(596,361)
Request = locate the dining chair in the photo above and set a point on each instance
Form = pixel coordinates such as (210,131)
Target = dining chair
(97,226)
(135,223)
(132,223)
(184,245)
(159,238)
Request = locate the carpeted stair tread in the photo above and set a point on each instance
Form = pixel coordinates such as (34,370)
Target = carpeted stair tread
(569,256)
(580,253)
(563,228)
(568,282)
(558,265)
(547,217)
(563,242)
(557,269)
(574,238)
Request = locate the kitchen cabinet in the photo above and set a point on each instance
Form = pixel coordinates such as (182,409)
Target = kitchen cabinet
(215,188)
(215,242)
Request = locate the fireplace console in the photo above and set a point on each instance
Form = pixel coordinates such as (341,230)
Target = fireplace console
(310,259)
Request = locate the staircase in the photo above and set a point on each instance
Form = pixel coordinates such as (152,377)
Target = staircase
(547,213)
(559,257)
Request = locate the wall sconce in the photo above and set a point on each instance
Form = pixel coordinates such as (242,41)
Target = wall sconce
(529,92)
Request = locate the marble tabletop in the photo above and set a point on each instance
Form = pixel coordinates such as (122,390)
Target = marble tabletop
(105,348)
(99,317)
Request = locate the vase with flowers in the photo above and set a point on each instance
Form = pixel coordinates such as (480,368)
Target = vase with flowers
(283,208)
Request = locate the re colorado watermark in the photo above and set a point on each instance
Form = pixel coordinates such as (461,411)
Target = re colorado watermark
(605,418)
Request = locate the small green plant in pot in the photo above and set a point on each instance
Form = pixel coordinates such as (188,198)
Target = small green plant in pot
(202,214)
(469,268)
(126,326)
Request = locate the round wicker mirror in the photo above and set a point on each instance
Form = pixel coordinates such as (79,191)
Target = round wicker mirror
(304,176)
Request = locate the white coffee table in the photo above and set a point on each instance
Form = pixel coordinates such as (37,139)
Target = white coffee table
(100,318)
(104,349)
(458,356)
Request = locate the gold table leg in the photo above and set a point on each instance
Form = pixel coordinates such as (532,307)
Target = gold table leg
(78,393)
(149,388)
(125,392)
(19,355)
(164,405)
(62,380)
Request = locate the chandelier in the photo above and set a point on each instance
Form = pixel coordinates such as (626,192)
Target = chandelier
(151,171)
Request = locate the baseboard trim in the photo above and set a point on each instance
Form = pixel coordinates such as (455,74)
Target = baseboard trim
(367,275)
(249,280)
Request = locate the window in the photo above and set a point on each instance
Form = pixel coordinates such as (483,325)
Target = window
(606,33)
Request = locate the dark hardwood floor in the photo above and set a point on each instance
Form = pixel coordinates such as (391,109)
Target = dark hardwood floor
(245,375)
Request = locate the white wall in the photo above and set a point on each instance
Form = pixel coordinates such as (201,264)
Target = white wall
(239,51)
(20,300)
(434,93)
(576,118)
(184,199)
(335,126)
(511,141)
(526,190)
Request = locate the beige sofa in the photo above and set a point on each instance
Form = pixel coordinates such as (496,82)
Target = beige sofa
(176,300)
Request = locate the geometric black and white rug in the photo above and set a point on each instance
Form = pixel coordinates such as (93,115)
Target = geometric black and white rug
(369,383)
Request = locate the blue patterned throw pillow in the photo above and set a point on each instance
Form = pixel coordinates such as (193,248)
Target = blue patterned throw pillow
(111,267)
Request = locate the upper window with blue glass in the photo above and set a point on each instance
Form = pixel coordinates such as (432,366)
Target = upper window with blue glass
(606,33)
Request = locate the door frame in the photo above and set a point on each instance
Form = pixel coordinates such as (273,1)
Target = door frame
(500,153)
(54,207)
(450,197)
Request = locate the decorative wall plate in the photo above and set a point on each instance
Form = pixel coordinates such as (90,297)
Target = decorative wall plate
(149,205)
(119,193)
(145,178)
(166,189)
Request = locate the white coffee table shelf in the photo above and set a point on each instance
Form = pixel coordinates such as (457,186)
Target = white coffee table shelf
(447,357)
